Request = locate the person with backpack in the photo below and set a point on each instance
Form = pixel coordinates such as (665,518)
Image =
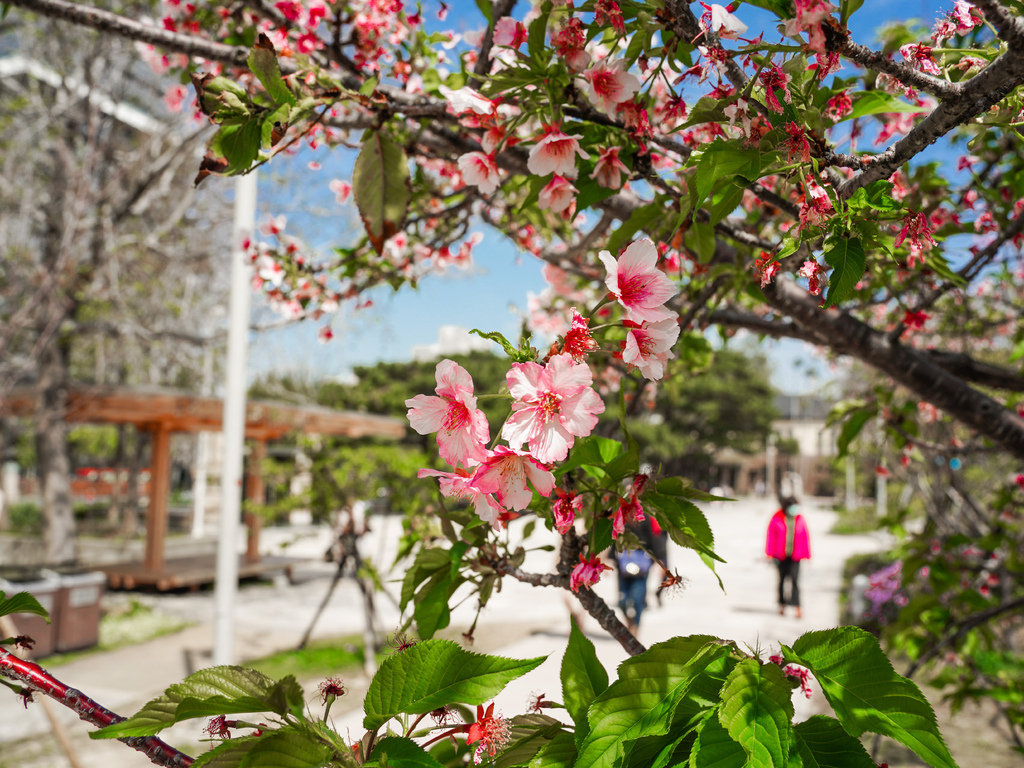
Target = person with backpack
(787,544)
(634,566)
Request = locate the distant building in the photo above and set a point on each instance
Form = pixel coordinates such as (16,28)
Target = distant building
(451,340)
(801,452)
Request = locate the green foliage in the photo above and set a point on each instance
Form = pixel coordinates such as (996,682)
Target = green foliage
(380,185)
(22,602)
(434,674)
(867,694)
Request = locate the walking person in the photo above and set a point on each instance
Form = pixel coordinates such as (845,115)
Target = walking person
(787,544)
(634,566)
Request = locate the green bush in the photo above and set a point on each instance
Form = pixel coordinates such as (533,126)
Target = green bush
(25,517)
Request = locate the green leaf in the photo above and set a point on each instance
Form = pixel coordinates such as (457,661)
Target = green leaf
(528,734)
(680,486)
(701,238)
(431,610)
(537,31)
(380,186)
(650,688)
(846,257)
(487,10)
(22,602)
(288,749)
(435,673)
(583,677)
(400,752)
(876,196)
(263,63)
(560,752)
(866,693)
(848,8)
(591,451)
(722,160)
(878,102)
(208,692)
(725,202)
(821,742)
(228,754)
(686,526)
(238,144)
(756,711)
(715,748)
(638,220)
(852,427)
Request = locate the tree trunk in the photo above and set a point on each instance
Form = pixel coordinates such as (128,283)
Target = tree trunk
(52,455)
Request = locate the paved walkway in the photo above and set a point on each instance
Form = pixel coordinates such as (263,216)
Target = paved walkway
(521,621)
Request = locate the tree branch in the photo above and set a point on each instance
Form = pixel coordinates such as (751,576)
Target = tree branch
(847,335)
(982,91)
(38,679)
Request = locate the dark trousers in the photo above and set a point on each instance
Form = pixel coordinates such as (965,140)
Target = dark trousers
(789,570)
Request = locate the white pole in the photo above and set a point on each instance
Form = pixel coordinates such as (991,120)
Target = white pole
(202,453)
(234,424)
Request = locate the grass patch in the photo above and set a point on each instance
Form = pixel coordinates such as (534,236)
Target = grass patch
(851,521)
(128,624)
(321,658)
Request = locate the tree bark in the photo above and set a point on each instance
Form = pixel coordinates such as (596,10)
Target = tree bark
(52,455)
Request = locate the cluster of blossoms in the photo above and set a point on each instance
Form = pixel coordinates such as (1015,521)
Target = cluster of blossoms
(884,589)
(553,404)
(799,674)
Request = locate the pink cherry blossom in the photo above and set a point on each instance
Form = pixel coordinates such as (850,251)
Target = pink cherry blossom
(587,573)
(608,13)
(839,106)
(629,511)
(466,100)
(648,346)
(722,23)
(609,169)
(509,33)
(772,79)
(554,404)
(480,170)
(609,84)
(555,153)
(557,195)
(578,341)
(565,508)
(817,279)
(765,268)
(637,283)
(461,428)
(809,17)
(341,190)
(505,472)
(920,57)
(461,485)
(916,229)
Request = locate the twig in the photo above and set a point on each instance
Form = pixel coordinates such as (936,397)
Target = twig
(38,679)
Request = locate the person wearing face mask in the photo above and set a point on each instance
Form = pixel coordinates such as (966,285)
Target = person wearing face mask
(787,544)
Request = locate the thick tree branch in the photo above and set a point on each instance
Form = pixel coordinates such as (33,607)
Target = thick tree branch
(981,92)
(967,368)
(907,366)
(902,72)
(105,21)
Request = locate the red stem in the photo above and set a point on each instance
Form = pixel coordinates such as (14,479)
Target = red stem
(38,679)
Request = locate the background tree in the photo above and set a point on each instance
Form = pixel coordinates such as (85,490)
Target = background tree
(102,240)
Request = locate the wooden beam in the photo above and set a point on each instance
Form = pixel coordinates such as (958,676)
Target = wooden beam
(159,497)
(255,491)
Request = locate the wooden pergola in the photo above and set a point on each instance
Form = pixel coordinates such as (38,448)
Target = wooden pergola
(162,412)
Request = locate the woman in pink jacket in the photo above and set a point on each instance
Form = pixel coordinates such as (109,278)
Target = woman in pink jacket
(788,544)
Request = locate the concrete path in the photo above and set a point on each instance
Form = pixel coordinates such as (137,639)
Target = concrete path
(520,622)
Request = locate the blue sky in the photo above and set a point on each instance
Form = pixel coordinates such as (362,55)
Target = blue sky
(492,295)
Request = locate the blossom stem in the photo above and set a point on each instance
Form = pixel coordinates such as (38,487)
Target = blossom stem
(415,722)
(445,735)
